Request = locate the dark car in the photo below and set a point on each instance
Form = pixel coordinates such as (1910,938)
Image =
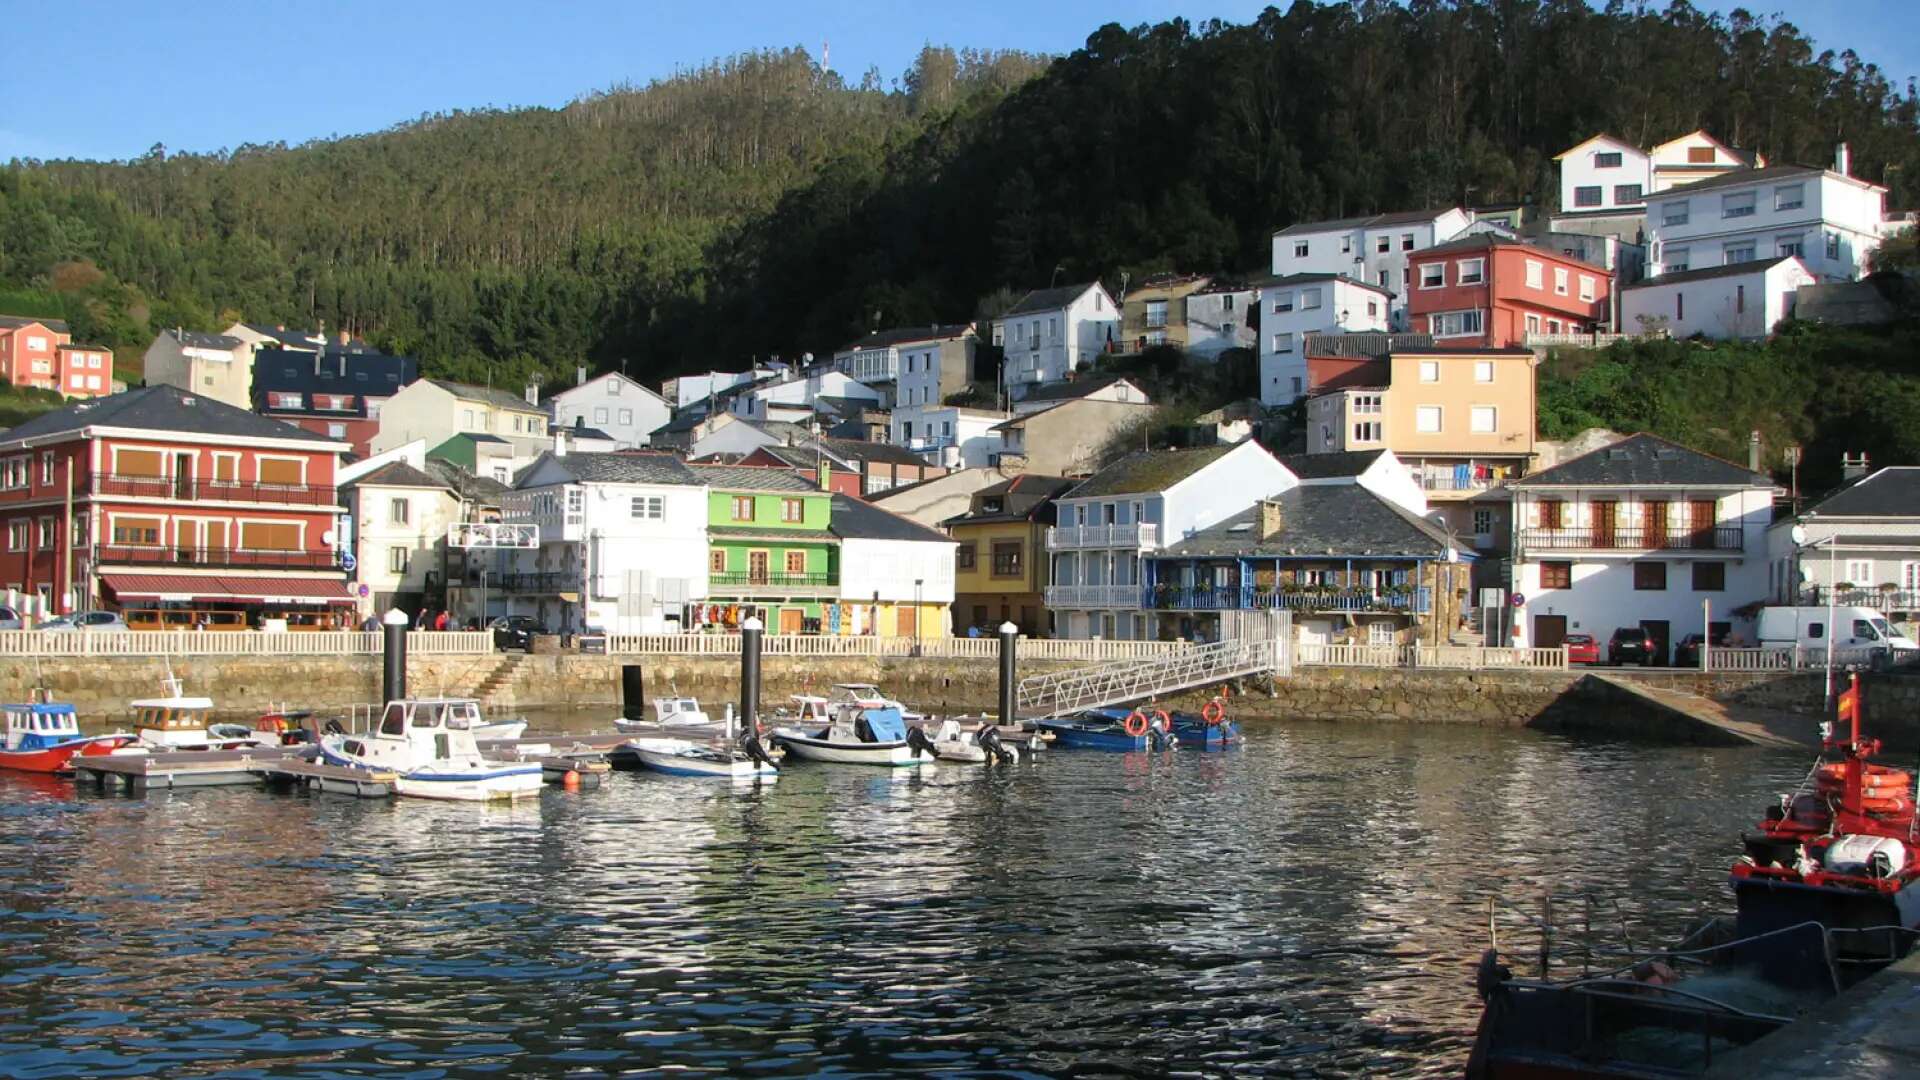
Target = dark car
(1687,652)
(1582,649)
(516,632)
(1631,645)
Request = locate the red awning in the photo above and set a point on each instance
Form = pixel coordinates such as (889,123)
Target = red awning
(227,590)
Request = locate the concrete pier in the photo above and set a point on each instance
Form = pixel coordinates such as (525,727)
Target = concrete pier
(1873,1029)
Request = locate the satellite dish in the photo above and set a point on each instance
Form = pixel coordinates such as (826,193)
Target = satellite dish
(1799,534)
(327,538)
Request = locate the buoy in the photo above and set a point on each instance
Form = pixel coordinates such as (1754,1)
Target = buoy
(1213,713)
(1135,724)
(571,781)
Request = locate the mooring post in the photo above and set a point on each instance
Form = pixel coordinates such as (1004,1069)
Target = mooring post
(1009,646)
(393,679)
(750,673)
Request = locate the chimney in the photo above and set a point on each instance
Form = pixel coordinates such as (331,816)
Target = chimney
(1842,160)
(559,442)
(580,375)
(1853,466)
(1753,452)
(1272,518)
(533,392)
(824,474)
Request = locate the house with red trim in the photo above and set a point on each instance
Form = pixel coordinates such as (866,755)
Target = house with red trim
(159,498)
(1487,292)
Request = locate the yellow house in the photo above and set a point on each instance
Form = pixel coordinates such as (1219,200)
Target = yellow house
(1000,566)
(1155,313)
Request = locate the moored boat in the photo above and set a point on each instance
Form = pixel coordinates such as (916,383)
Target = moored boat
(689,757)
(1117,730)
(869,696)
(44,737)
(668,712)
(428,745)
(980,745)
(855,734)
(179,722)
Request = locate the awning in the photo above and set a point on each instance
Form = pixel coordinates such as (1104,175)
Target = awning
(227,590)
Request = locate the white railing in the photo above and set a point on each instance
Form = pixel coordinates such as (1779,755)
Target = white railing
(1093,596)
(1136,535)
(944,648)
(1451,657)
(235,643)
(1062,692)
(1323,655)
(1803,658)
(1579,341)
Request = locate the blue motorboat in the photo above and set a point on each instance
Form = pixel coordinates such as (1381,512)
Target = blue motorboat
(1130,731)
(1195,733)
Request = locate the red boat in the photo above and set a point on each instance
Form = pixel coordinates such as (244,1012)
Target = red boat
(43,737)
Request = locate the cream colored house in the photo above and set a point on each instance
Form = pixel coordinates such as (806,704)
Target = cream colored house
(435,410)
(1155,312)
(215,366)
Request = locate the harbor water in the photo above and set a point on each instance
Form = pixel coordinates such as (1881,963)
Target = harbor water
(1311,903)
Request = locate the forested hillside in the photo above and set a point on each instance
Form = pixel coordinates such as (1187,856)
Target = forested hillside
(761,206)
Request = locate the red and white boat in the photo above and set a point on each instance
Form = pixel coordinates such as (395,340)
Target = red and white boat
(44,736)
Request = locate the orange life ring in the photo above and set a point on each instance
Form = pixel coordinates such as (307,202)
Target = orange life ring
(1213,712)
(1877,776)
(1166,722)
(1135,725)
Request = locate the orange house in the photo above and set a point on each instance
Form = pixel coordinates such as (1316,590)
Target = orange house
(29,351)
(1487,292)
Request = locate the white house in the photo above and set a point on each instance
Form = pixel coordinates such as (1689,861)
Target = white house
(216,366)
(1218,319)
(1638,534)
(437,410)
(623,543)
(915,365)
(948,435)
(1606,181)
(1051,332)
(1144,502)
(612,403)
(687,389)
(1372,249)
(1828,220)
(799,395)
(907,565)
(1864,537)
(399,516)
(1297,305)
(1743,301)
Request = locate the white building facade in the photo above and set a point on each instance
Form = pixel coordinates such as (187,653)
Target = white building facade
(1864,539)
(612,403)
(1051,332)
(948,435)
(1829,221)
(1219,318)
(1293,307)
(1740,302)
(1371,249)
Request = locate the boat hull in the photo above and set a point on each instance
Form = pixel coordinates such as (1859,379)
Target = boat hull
(810,748)
(1769,904)
(59,758)
(678,763)
(493,783)
(1204,736)
(505,729)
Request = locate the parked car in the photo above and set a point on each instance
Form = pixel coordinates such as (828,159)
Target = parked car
(9,618)
(1582,649)
(108,621)
(515,631)
(1687,652)
(1631,645)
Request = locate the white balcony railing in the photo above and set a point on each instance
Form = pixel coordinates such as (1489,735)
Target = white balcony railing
(1137,536)
(1094,596)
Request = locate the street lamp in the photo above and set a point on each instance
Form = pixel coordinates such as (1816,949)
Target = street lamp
(1798,534)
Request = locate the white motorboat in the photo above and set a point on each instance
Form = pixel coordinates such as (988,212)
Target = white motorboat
(668,712)
(428,744)
(179,722)
(869,696)
(500,729)
(687,757)
(856,734)
(976,746)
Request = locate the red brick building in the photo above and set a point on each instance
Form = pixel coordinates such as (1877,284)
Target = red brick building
(156,498)
(1486,292)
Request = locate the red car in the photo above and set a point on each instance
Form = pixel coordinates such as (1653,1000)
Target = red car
(1582,649)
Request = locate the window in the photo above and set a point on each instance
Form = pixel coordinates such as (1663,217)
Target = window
(45,538)
(1483,522)
(336,431)
(397,511)
(1679,306)
(717,561)
(1739,299)
(1383,245)
(1860,573)
(1299,249)
(626,415)
(1700,155)
(1346,245)
(1426,419)
(1677,259)
(1551,513)
(1650,576)
(1675,213)
(648,508)
(1560,281)
(1309,299)
(1739,252)
(796,562)
(1366,431)
(1367,404)
(963,557)
(1483,371)
(1282,302)
(1429,371)
(793,511)
(1533,324)
(1007,558)
(269,536)
(1609,160)
(1536,274)
(1833,245)
(1406,241)
(1156,313)
(1373,309)
(1454,324)
(46,467)
(1587,195)
(743,508)
(1626,194)
(1556,575)
(1470,271)
(1736,204)
(1283,343)
(1789,197)
(16,536)
(1433,275)
(600,414)
(136,530)
(398,559)
(1709,577)
(1786,245)
(1483,419)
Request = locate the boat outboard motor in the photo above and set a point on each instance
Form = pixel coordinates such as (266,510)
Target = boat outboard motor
(1158,739)
(989,740)
(333,728)
(917,739)
(750,743)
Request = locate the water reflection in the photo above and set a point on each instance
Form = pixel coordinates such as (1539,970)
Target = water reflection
(1309,902)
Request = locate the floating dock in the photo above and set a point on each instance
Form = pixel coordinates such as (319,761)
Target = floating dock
(333,779)
(167,770)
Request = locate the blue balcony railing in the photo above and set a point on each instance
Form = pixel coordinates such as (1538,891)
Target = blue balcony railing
(1249,598)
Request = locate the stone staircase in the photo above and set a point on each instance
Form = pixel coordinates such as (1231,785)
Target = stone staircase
(502,676)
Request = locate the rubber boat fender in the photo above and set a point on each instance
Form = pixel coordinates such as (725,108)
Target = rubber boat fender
(917,740)
(1135,724)
(1214,712)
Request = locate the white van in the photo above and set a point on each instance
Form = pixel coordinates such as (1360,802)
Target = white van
(1856,628)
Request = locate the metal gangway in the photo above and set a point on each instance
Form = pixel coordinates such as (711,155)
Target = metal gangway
(1063,692)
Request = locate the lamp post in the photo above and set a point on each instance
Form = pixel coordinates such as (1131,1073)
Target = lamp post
(918,614)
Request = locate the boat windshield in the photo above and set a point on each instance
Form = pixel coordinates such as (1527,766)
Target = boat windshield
(395,720)
(429,714)
(462,715)
(687,705)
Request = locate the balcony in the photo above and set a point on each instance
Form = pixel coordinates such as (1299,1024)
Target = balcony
(1094,596)
(536,581)
(750,583)
(1714,538)
(929,443)
(185,489)
(1138,536)
(155,555)
(1392,600)
(1454,483)
(1882,600)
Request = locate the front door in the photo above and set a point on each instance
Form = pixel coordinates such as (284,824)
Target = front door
(1603,518)
(757,568)
(1549,631)
(183,476)
(1656,512)
(1657,630)
(791,620)
(907,621)
(1700,522)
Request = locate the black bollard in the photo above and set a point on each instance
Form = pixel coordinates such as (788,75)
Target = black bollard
(633,692)
(750,674)
(393,680)
(1009,637)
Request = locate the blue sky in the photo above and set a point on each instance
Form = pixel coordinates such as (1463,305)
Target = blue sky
(108,80)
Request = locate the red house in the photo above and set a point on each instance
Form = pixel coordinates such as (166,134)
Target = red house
(158,499)
(1487,292)
(29,351)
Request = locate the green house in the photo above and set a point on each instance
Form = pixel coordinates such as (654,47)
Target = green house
(769,550)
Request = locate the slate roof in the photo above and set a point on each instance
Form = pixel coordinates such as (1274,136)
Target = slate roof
(1488,242)
(197,340)
(1269,281)
(1891,492)
(1149,470)
(880,339)
(581,431)
(1327,466)
(1040,491)
(1741,177)
(1755,266)
(15,322)
(778,536)
(1078,388)
(625,468)
(492,395)
(854,519)
(686,419)
(482,489)
(751,478)
(1365,221)
(1645,460)
(161,408)
(1049,299)
(841,407)
(1340,520)
(293,371)
(398,474)
(883,453)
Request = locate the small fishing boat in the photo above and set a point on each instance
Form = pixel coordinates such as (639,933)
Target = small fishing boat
(687,757)
(1119,730)
(869,696)
(179,722)
(44,737)
(500,729)
(855,734)
(428,745)
(974,746)
(281,727)
(668,712)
